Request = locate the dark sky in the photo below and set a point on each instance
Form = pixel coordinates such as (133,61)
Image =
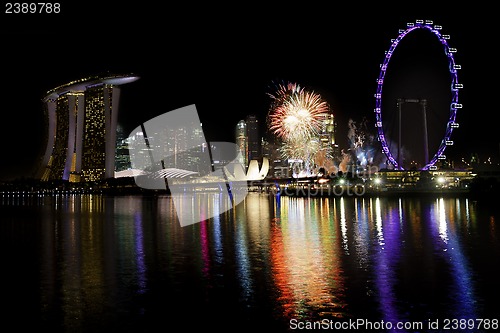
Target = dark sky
(225,59)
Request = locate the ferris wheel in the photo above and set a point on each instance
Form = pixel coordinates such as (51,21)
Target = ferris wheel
(455,87)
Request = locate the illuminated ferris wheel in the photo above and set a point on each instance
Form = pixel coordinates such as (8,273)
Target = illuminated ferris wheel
(454,105)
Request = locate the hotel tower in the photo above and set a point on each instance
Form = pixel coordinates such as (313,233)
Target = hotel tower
(82,125)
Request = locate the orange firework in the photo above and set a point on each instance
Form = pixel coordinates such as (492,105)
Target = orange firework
(296,114)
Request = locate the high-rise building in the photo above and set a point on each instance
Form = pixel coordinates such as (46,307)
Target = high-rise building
(81,119)
(254,141)
(122,156)
(327,135)
(242,142)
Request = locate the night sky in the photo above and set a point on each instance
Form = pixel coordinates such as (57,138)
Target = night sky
(225,60)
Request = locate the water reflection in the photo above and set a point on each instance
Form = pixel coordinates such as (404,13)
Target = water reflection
(461,289)
(121,262)
(387,259)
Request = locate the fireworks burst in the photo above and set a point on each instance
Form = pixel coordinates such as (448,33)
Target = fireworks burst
(305,151)
(361,142)
(296,117)
(296,114)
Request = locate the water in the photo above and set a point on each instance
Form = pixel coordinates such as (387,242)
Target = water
(92,263)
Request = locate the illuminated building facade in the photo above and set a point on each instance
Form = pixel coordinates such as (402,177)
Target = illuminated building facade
(82,125)
(327,135)
(253,138)
(122,157)
(242,141)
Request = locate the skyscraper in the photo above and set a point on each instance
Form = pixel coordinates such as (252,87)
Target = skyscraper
(254,141)
(327,135)
(242,141)
(122,156)
(81,129)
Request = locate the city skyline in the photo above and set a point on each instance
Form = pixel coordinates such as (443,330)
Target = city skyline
(231,158)
(228,73)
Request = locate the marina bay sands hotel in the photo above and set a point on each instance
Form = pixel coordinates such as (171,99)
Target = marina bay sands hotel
(82,123)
